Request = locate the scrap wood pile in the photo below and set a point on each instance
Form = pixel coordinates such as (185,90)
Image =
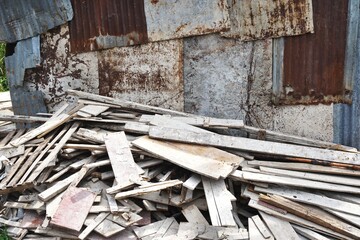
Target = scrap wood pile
(110,169)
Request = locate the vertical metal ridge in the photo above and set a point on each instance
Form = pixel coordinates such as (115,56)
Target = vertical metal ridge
(102,24)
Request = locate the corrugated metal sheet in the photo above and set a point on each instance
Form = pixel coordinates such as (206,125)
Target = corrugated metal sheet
(26,55)
(313,64)
(347,117)
(149,74)
(21,19)
(259,19)
(169,19)
(107,23)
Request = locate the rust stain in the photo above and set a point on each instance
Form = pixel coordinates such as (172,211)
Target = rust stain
(314,63)
(154,1)
(116,22)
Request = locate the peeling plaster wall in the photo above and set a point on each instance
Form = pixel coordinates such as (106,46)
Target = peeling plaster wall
(60,70)
(230,79)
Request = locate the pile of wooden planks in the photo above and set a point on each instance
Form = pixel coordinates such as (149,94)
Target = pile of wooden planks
(104,168)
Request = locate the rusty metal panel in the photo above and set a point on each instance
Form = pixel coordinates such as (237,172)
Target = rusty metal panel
(259,19)
(313,64)
(106,24)
(149,74)
(26,55)
(169,19)
(27,103)
(21,19)
(61,70)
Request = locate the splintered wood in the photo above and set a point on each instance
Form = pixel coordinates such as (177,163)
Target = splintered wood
(105,168)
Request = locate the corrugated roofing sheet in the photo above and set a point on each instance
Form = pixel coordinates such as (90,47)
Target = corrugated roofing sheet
(314,63)
(26,55)
(21,19)
(115,23)
(259,19)
(107,23)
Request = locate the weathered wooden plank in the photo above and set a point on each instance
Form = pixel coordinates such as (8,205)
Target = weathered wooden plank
(308,233)
(255,233)
(312,199)
(106,228)
(9,151)
(125,104)
(210,122)
(147,189)
(73,209)
(253,145)
(52,156)
(94,110)
(207,161)
(282,230)
(312,176)
(49,125)
(192,182)
(219,203)
(261,227)
(193,215)
(94,223)
(306,167)
(296,182)
(287,138)
(313,214)
(122,162)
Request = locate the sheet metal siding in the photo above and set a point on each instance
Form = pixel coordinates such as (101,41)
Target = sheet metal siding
(26,55)
(314,63)
(259,19)
(21,19)
(169,19)
(150,73)
(347,117)
(101,24)
(60,70)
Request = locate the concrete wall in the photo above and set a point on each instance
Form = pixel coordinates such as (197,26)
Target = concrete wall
(207,75)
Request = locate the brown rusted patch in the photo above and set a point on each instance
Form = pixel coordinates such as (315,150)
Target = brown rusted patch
(107,19)
(154,1)
(314,63)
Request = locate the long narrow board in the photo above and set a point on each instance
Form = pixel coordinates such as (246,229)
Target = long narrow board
(218,202)
(122,162)
(206,161)
(296,182)
(253,145)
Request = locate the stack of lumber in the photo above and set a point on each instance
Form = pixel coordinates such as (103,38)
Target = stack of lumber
(6,110)
(104,168)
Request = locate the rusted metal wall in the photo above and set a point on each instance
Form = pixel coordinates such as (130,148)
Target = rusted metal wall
(107,23)
(150,74)
(259,19)
(314,63)
(21,19)
(60,70)
(169,19)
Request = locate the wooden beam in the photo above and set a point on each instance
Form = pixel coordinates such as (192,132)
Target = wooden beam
(252,145)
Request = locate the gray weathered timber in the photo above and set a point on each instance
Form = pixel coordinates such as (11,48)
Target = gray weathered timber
(253,145)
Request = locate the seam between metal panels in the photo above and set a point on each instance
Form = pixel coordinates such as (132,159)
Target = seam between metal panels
(277,69)
(351,62)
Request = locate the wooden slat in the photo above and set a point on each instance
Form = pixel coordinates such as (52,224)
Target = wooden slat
(296,182)
(282,230)
(219,203)
(207,161)
(122,162)
(313,214)
(252,145)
